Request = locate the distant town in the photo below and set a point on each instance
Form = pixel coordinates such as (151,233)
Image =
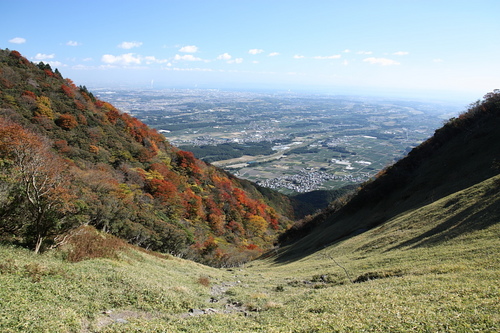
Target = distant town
(290,142)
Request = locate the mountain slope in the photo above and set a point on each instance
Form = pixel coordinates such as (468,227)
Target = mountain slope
(464,152)
(68,159)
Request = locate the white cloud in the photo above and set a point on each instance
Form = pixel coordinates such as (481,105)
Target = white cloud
(17,40)
(297,56)
(364,52)
(401,53)
(88,59)
(187,57)
(129,45)
(274,54)
(437,60)
(255,51)
(346,51)
(73,43)
(124,59)
(235,61)
(345,63)
(189,49)
(54,64)
(336,56)
(153,60)
(381,61)
(42,56)
(225,56)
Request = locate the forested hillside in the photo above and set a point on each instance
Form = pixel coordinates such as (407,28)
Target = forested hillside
(68,159)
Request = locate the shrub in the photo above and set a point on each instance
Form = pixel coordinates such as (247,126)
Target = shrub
(86,242)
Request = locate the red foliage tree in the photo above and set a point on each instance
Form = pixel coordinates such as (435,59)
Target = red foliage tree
(111,112)
(15,54)
(187,161)
(68,91)
(62,146)
(29,94)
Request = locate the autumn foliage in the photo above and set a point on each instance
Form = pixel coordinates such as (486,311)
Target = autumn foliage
(111,171)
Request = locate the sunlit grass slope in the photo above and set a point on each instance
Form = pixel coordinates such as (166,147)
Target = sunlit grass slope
(433,269)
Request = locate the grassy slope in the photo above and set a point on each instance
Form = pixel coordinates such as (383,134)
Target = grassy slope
(438,269)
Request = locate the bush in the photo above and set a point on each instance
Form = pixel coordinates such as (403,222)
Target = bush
(86,242)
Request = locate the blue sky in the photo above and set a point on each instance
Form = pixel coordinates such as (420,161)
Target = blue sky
(383,47)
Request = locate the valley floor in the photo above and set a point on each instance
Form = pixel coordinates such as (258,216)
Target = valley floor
(398,277)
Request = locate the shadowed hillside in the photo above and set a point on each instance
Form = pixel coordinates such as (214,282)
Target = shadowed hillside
(464,152)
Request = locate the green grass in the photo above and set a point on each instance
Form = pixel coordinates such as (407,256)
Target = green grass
(433,269)
(45,294)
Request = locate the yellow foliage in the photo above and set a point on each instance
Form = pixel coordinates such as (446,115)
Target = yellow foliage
(44,107)
(153,174)
(257,224)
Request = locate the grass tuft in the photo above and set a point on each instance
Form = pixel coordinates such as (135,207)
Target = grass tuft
(204,281)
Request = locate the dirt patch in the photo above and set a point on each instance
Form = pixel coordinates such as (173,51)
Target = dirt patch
(110,317)
(221,303)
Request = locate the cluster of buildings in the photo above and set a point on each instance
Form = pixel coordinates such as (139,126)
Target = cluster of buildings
(306,180)
(208,140)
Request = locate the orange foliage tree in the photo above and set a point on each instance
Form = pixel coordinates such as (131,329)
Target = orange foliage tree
(66,121)
(41,181)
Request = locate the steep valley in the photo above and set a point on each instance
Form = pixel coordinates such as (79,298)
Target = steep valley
(130,241)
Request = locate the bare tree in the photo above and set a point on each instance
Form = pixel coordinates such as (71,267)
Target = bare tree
(41,177)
